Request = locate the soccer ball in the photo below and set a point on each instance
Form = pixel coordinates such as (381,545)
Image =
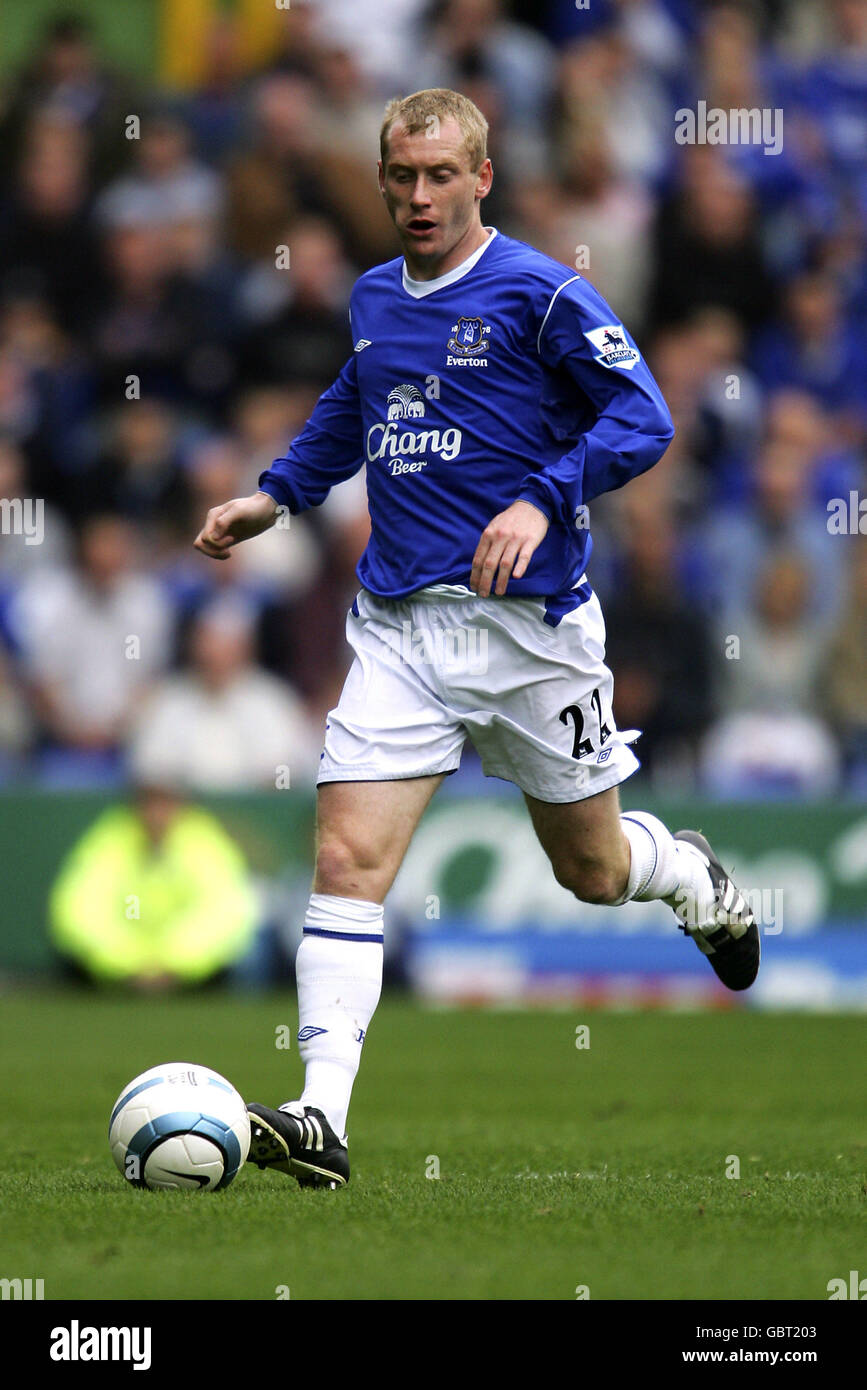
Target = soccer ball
(179,1126)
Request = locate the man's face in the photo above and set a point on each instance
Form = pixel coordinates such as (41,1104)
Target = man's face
(430,190)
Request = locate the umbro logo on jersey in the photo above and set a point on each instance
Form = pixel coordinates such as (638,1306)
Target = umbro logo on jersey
(470,337)
(308,1032)
(362,344)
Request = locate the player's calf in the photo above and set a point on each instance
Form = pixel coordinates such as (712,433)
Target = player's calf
(636,858)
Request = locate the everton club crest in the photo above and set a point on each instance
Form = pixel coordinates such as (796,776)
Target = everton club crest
(470,337)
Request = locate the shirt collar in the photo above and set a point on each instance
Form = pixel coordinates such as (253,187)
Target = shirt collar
(419,288)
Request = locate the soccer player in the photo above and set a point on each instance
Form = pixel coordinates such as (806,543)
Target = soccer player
(492,396)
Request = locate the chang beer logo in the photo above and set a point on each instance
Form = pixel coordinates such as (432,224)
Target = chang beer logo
(403,448)
(405,403)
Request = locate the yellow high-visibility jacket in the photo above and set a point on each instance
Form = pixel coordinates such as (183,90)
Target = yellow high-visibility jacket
(122,907)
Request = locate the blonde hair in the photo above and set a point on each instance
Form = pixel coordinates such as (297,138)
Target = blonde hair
(417,111)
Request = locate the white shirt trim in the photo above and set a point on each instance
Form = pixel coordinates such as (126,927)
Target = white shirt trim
(571,281)
(419,288)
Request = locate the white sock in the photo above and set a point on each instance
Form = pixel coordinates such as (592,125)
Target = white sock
(662,867)
(338,970)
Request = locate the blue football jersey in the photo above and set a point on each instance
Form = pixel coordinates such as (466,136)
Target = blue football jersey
(505,378)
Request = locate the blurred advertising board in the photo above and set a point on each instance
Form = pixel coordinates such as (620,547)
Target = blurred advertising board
(476,915)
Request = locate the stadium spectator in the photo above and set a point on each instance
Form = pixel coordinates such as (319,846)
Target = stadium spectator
(707,249)
(156,330)
(834,92)
(168,183)
(603,82)
(658,644)
(46,395)
(844,684)
(154,895)
(292,558)
(772,739)
(67,76)
(34,535)
(282,579)
(384,35)
(214,111)
(92,636)
(302,28)
(46,241)
(138,473)
(780,647)
(727,424)
(300,331)
(814,349)
(222,722)
(780,513)
(280,568)
(759,755)
(287,170)
(608,213)
(182,196)
(472,46)
(347,111)
(17,733)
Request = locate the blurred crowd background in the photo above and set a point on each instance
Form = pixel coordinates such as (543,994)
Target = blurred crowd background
(154,359)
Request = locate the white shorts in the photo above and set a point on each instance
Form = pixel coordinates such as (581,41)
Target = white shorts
(442,666)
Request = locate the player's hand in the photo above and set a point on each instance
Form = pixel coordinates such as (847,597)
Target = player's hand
(506,547)
(235,521)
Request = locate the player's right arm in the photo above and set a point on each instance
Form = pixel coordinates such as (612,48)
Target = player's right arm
(235,521)
(328,450)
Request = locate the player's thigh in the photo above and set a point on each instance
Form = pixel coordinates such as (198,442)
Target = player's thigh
(540,710)
(363,830)
(585,843)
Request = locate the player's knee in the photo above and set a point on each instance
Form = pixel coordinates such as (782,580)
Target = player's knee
(593,880)
(344,868)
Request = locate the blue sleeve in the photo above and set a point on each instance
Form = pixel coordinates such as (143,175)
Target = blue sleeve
(626,425)
(328,450)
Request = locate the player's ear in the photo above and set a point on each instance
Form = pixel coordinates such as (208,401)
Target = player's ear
(380,174)
(484,178)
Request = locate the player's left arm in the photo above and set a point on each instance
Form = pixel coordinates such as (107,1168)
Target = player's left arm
(580,338)
(579,334)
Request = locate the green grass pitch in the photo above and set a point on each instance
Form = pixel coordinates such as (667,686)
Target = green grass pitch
(560,1167)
